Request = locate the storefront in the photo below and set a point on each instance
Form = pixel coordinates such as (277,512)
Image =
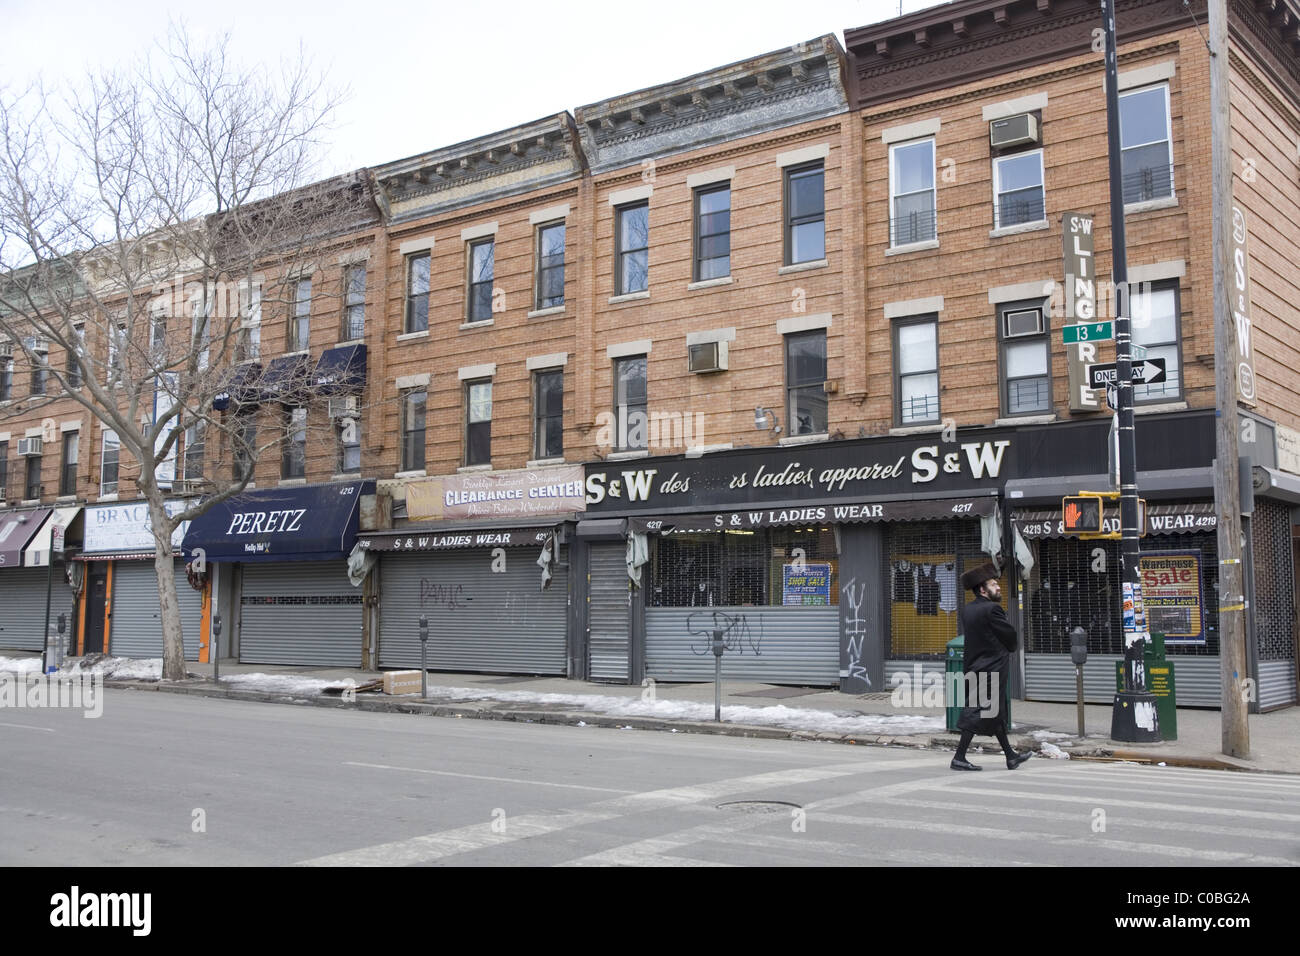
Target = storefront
(485,559)
(121,614)
(26,576)
(283,553)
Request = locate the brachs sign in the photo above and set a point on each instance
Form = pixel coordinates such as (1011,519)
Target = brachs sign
(508,494)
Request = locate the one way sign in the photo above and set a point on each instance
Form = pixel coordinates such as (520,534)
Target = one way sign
(1145,372)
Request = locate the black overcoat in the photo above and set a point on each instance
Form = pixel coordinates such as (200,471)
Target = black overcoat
(990,641)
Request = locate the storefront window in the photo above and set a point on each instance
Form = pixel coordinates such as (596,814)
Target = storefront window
(923,581)
(760,568)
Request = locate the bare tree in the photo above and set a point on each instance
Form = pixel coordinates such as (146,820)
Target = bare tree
(144,223)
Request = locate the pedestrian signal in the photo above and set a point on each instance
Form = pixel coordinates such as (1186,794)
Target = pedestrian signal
(1081,514)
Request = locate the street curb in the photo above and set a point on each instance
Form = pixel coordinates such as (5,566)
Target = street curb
(409,705)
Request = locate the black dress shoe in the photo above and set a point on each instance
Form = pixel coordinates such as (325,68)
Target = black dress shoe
(1018,759)
(963,765)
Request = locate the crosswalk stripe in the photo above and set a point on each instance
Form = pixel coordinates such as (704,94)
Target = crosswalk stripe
(1152,786)
(1109,802)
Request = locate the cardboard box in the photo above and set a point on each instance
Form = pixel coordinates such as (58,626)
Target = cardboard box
(401,682)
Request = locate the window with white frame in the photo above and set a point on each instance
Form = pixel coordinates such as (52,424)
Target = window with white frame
(482,270)
(417,293)
(348,433)
(354,303)
(550,265)
(1018,189)
(413,426)
(1026,359)
(1146,144)
(478,422)
(108,462)
(249,347)
(712,232)
(1155,327)
(632,252)
(805,214)
(805,382)
(916,360)
(631,404)
(300,317)
(912,198)
(548,413)
(68,473)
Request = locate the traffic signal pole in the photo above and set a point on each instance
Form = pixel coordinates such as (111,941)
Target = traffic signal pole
(1133,718)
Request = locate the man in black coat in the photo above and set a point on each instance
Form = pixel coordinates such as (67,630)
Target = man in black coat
(990,641)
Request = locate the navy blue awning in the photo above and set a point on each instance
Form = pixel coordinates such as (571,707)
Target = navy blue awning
(341,370)
(306,523)
(286,379)
(239,386)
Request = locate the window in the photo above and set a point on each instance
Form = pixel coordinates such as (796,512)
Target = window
(195,442)
(68,473)
(550,266)
(712,233)
(1155,325)
(413,407)
(40,365)
(78,343)
(4,471)
(1026,359)
(354,303)
(158,333)
(32,488)
(116,351)
(6,378)
(632,252)
(293,458)
(300,321)
(417,292)
(630,403)
(249,348)
(1018,189)
(243,444)
(482,255)
(201,331)
(911,193)
(805,214)
(548,414)
(917,356)
(108,464)
(721,569)
(805,378)
(478,423)
(1146,148)
(348,431)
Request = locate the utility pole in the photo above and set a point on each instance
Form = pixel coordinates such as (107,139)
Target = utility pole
(1227,490)
(1133,717)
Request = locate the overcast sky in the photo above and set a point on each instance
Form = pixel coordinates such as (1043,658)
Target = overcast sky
(426,75)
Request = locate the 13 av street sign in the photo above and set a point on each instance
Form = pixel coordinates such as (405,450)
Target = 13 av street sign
(1145,372)
(1091,332)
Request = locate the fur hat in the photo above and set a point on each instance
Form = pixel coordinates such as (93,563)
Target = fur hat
(971,580)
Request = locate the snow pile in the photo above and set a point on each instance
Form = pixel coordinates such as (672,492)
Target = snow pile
(20,665)
(283,684)
(1050,735)
(1055,752)
(119,668)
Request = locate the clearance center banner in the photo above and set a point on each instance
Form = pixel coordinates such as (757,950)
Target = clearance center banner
(505,494)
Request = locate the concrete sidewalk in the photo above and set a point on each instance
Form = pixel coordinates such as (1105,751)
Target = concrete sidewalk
(750,710)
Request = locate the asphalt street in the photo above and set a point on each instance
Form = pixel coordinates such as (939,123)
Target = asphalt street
(171,780)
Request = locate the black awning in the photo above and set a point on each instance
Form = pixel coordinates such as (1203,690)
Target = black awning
(239,387)
(1164,518)
(341,370)
(308,523)
(286,379)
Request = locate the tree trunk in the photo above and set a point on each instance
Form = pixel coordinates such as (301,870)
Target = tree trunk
(168,604)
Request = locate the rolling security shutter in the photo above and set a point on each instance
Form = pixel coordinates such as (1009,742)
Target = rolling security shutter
(772,645)
(479,620)
(22,606)
(136,620)
(610,645)
(300,612)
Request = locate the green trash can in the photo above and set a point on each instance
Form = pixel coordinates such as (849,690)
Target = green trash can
(955,684)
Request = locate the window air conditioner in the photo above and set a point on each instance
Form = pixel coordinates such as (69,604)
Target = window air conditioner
(186,486)
(1018,130)
(6,350)
(706,357)
(29,447)
(343,407)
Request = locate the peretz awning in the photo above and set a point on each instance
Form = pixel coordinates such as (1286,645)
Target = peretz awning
(17,528)
(931,509)
(286,379)
(240,387)
(340,371)
(311,523)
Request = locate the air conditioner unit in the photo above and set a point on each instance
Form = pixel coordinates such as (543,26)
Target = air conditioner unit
(343,407)
(706,357)
(1018,130)
(6,350)
(29,447)
(186,486)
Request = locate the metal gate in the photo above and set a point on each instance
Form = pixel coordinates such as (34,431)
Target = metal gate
(22,606)
(479,619)
(773,645)
(135,620)
(609,642)
(300,612)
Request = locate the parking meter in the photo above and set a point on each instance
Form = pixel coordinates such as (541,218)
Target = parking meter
(424,646)
(717,643)
(216,647)
(1078,645)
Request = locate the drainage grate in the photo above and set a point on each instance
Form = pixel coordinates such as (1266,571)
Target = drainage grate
(758,806)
